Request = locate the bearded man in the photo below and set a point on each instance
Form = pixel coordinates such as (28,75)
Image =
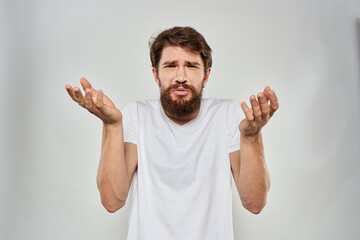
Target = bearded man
(178,154)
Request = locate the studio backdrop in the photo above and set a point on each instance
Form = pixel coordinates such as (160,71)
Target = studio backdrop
(307,51)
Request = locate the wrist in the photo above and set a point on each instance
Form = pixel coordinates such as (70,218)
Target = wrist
(115,125)
(251,138)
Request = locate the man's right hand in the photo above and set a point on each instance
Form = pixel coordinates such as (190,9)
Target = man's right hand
(95,102)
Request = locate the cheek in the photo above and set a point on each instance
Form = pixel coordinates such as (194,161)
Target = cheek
(197,80)
(167,74)
(165,80)
(163,85)
(195,75)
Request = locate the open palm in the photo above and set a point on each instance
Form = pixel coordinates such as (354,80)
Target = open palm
(95,102)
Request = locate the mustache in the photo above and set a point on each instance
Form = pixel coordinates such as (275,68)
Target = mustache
(184,85)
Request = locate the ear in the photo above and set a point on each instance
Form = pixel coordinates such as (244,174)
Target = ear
(206,77)
(156,76)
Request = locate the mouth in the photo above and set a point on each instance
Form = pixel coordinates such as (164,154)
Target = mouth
(180,91)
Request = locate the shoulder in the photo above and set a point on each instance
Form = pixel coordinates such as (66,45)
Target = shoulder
(139,108)
(148,104)
(141,104)
(226,108)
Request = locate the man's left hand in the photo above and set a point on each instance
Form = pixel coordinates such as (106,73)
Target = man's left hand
(260,113)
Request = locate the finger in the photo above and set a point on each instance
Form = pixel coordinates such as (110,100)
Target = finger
(100,100)
(265,109)
(274,104)
(103,108)
(266,92)
(86,84)
(247,111)
(255,108)
(79,97)
(88,99)
(70,91)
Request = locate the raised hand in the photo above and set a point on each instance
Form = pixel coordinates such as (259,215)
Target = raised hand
(260,113)
(95,102)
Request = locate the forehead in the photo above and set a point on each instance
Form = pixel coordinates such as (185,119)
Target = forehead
(174,53)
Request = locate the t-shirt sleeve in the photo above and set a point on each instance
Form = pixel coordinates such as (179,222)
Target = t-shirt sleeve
(129,122)
(235,117)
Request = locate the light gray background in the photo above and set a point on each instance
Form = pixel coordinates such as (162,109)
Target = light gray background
(307,51)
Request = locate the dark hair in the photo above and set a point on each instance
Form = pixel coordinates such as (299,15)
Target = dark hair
(185,37)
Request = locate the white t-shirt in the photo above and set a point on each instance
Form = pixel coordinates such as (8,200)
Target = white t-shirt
(182,189)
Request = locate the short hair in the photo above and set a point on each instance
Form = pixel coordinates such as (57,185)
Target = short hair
(185,37)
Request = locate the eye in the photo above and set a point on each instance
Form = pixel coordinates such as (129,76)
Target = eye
(170,66)
(189,65)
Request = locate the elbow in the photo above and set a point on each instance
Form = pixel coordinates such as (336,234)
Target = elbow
(255,202)
(112,207)
(254,207)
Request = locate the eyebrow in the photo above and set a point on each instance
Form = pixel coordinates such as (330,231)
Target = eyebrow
(169,63)
(193,63)
(188,62)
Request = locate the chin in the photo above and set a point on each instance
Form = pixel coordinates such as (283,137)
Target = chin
(180,99)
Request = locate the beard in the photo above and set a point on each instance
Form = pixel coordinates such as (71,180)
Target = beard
(180,108)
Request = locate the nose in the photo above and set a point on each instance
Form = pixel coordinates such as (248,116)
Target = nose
(181,75)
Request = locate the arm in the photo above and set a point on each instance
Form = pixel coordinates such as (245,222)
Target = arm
(250,173)
(117,165)
(248,165)
(118,160)
(254,181)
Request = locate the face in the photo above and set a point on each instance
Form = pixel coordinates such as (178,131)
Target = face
(181,78)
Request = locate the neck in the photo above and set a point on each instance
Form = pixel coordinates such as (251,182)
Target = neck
(183,120)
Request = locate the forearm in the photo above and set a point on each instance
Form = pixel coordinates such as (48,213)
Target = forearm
(112,179)
(254,181)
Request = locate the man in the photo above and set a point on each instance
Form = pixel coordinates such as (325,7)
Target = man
(181,150)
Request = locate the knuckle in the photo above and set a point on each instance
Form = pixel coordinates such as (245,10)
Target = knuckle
(265,110)
(254,125)
(257,114)
(250,117)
